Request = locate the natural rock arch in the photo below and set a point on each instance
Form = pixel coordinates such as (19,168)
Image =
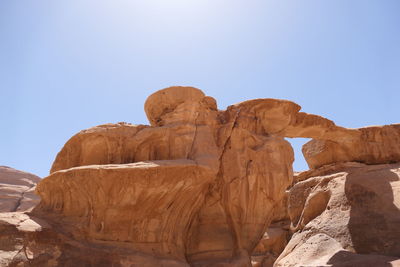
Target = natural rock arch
(199,185)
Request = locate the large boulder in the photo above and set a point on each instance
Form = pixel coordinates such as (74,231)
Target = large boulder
(345,215)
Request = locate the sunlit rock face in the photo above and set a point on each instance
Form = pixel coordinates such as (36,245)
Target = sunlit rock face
(371,145)
(198,187)
(17,190)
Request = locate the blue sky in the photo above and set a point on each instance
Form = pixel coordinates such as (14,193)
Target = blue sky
(71,65)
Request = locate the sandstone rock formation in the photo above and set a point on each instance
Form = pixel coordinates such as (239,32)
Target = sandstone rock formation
(334,144)
(17,190)
(275,238)
(345,215)
(197,187)
(27,240)
(374,145)
(201,187)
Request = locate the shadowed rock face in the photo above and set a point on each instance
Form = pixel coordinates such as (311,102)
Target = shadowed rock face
(345,215)
(198,187)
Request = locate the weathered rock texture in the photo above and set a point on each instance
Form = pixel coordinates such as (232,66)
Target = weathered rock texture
(275,238)
(345,215)
(31,241)
(147,204)
(17,190)
(372,145)
(197,187)
(334,144)
(200,187)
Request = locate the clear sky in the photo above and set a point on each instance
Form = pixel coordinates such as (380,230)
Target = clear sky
(70,65)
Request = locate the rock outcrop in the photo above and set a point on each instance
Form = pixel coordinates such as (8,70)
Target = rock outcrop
(147,204)
(27,240)
(345,215)
(373,145)
(17,190)
(197,187)
(208,187)
(335,144)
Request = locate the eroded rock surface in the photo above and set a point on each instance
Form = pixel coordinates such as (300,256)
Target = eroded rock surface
(373,145)
(275,238)
(17,190)
(207,187)
(149,205)
(27,240)
(335,144)
(345,215)
(197,187)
